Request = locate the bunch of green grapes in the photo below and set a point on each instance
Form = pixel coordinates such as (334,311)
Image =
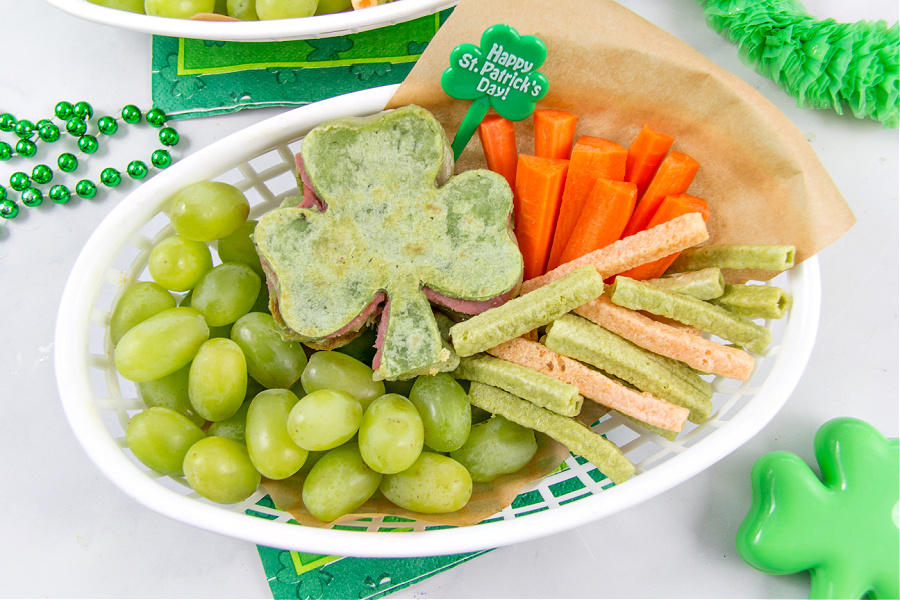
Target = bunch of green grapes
(230,402)
(244,10)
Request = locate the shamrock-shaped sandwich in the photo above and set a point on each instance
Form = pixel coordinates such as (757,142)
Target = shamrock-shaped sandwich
(389,231)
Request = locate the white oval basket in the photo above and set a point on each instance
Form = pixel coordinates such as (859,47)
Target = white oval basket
(258,31)
(260,161)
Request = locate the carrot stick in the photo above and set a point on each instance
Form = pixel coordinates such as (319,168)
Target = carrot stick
(539,188)
(645,154)
(671,207)
(498,139)
(592,158)
(674,176)
(603,218)
(554,131)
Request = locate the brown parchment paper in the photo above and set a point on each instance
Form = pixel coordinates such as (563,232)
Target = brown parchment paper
(618,72)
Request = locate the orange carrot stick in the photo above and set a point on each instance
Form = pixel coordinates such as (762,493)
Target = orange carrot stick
(674,176)
(554,131)
(539,189)
(592,158)
(603,218)
(671,207)
(498,139)
(645,154)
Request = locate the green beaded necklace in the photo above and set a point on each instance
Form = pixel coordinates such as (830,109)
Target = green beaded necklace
(75,119)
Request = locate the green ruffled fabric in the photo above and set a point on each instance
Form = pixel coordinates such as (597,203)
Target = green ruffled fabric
(820,63)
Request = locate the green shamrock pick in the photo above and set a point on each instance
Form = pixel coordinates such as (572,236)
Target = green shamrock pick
(501,73)
(843,529)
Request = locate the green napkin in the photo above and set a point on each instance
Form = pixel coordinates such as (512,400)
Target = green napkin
(195,78)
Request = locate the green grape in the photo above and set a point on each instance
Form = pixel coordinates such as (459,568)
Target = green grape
(234,427)
(217,383)
(270,360)
(221,7)
(336,371)
(238,247)
(285,9)
(433,484)
(226,293)
(160,345)
(208,210)
(339,483)
(138,302)
(311,459)
(160,438)
(324,419)
(177,263)
(135,6)
(362,347)
(496,447)
(178,9)
(220,470)
(445,410)
(245,10)
(271,449)
(390,434)
(170,391)
(214,332)
(327,7)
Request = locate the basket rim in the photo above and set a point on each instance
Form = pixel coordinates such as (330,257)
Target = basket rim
(76,393)
(317,26)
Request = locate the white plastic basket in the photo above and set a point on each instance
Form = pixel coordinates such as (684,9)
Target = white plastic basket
(274,30)
(260,161)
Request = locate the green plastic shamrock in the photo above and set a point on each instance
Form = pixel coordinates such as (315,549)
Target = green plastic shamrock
(500,74)
(396,228)
(844,529)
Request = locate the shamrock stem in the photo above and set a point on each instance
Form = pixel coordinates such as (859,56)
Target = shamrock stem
(477,110)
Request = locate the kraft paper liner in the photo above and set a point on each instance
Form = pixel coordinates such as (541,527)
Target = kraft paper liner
(617,72)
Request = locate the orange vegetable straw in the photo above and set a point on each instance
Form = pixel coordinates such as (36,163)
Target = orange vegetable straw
(498,139)
(645,154)
(554,131)
(592,158)
(671,207)
(674,176)
(538,193)
(603,218)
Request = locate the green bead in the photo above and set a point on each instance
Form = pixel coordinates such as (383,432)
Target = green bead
(156,117)
(7,122)
(86,188)
(19,181)
(131,113)
(107,125)
(48,132)
(8,209)
(42,122)
(25,129)
(42,174)
(63,110)
(59,194)
(76,126)
(88,144)
(2,193)
(5,151)
(32,196)
(161,159)
(137,169)
(26,148)
(110,177)
(168,136)
(67,162)
(83,109)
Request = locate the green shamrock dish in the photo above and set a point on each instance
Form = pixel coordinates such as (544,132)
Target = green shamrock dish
(396,226)
(843,529)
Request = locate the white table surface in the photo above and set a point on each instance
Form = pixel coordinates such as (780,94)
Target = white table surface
(68,532)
